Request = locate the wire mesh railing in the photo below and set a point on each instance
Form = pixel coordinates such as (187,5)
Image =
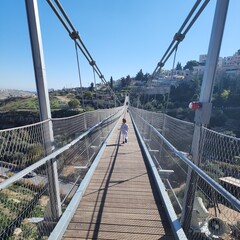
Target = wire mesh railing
(154,118)
(20,147)
(26,210)
(66,129)
(216,205)
(179,133)
(220,155)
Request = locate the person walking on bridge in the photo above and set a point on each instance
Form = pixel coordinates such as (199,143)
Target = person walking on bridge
(124,130)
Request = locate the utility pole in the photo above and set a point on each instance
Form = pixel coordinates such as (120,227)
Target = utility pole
(44,105)
(202,115)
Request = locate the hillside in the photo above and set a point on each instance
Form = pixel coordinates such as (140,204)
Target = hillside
(9,93)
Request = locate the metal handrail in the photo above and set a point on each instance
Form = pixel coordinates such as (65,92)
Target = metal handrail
(53,155)
(233,200)
(173,220)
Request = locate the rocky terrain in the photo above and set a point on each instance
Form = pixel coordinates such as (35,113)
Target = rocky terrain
(9,93)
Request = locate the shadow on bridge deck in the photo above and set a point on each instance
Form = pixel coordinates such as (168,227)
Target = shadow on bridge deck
(120,201)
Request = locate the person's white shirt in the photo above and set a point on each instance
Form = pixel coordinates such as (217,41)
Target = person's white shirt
(124,128)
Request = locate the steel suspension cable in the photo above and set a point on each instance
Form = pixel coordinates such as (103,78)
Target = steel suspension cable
(181,28)
(178,37)
(196,16)
(66,27)
(95,85)
(79,75)
(168,95)
(75,36)
(186,30)
(73,29)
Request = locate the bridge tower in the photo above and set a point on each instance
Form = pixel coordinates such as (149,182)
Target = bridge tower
(203,114)
(44,105)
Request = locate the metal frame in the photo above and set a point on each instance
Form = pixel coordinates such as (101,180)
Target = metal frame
(202,115)
(44,102)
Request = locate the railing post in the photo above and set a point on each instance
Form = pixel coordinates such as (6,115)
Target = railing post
(202,116)
(138,101)
(44,105)
(115,103)
(86,141)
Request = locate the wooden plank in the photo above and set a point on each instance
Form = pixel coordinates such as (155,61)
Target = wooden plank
(119,210)
(120,205)
(118,228)
(114,195)
(115,191)
(130,216)
(120,201)
(77,234)
(117,221)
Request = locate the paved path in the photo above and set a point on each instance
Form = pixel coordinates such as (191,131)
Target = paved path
(120,201)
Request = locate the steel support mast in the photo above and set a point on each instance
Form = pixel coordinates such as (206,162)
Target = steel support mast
(202,115)
(44,105)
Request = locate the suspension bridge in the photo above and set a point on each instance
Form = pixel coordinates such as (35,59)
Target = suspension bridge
(74,178)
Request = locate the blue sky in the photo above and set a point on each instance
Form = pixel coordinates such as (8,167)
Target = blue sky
(123,36)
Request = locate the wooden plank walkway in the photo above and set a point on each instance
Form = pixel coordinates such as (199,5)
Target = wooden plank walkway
(120,201)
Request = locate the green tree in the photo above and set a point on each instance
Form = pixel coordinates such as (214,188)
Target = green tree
(74,103)
(91,88)
(128,80)
(179,66)
(190,64)
(87,94)
(146,77)
(139,76)
(111,82)
(149,106)
(123,82)
(184,92)
(225,94)
(218,119)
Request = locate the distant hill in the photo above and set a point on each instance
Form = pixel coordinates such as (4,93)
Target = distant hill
(7,93)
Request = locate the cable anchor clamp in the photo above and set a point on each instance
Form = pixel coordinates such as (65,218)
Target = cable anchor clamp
(161,64)
(179,37)
(74,35)
(92,63)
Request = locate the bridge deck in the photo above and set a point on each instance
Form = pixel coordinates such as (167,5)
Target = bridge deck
(120,201)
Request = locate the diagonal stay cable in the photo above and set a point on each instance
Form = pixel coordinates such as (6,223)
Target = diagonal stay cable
(65,26)
(181,28)
(75,36)
(79,75)
(73,29)
(196,16)
(188,28)
(180,36)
